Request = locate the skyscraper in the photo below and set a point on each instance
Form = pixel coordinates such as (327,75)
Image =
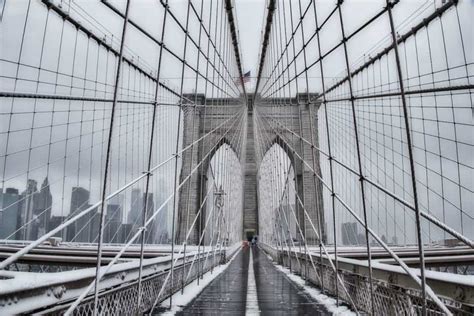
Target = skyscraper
(349,234)
(79,202)
(125,233)
(95,224)
(150,208)
(288,224)
(136,207)
(163,231)
(113,220)
(42,208)
(9,215)
(55,221)
(26,207)
(118,200)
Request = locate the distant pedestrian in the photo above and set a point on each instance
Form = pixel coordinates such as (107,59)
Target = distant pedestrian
(254,240)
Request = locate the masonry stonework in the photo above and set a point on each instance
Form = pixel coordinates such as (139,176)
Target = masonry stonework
(298,115)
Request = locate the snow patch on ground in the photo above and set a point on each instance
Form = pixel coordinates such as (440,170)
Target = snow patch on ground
(328,302)
(252,296)
(192,290)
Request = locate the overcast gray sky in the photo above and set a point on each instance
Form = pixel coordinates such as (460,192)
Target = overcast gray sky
(82,57)
(250,19)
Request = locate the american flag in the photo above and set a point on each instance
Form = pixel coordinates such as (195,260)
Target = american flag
(246,77)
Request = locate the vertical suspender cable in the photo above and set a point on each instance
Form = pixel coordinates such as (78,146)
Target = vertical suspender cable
(107,159)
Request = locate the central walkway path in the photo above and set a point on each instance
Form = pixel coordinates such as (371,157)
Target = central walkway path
(233,292)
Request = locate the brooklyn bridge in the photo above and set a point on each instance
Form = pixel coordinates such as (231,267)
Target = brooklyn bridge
(231,157)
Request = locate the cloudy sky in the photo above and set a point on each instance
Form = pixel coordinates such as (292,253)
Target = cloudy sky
(65,140)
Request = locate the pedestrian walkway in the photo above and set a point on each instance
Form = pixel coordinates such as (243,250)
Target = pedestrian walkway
(233,292)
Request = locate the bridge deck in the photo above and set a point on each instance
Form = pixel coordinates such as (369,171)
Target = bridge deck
(276,295)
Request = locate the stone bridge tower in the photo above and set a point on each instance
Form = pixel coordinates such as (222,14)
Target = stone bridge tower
(200,120)
(296,115)
(250,177)
(202,116)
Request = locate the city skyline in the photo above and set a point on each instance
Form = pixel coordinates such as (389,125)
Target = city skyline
(29,214)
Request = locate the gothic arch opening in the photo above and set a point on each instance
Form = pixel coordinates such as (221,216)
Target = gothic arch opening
(277,197)
(222,218)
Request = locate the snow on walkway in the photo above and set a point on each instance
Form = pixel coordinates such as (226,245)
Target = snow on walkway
(252,299)
(328,302)
(192,290)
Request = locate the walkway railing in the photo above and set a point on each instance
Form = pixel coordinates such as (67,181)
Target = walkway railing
(53,293)
(395,292)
